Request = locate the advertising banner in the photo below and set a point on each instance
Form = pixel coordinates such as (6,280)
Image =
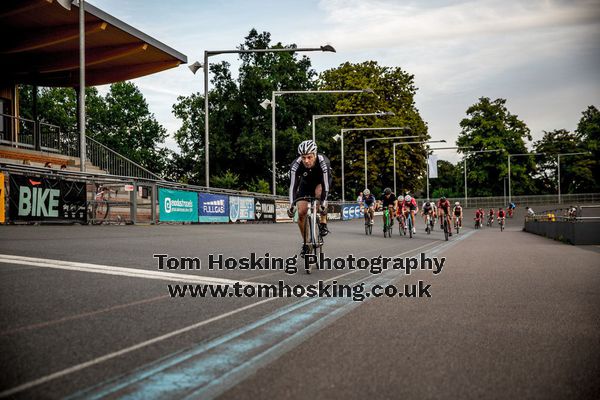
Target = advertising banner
(334,212)
(241,208)
(433,171)
(281,208)
(264,210)
(351,211)
(213,208)
(177,205)
(45,199)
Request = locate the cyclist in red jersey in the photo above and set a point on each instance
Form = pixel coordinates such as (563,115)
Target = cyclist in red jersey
(443,206)
(409,208)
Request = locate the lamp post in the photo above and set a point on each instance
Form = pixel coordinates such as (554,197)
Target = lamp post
(316,117)
(194,67)
(558,156)
(341,136)
(266,103)
(398,143)
(516,155)
(367,140)
(465,165)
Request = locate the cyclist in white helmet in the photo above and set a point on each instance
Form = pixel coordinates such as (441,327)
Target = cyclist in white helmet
(310,176)
(409,207)
(369,203)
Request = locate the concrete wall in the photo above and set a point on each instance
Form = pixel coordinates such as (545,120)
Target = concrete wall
(577,233)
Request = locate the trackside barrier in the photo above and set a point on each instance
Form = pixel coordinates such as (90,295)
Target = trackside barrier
(575,225)
(114,199)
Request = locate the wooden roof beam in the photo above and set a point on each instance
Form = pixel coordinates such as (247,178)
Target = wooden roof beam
(50,37)
(93,57)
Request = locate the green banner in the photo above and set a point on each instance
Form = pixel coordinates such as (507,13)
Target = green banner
(177,205)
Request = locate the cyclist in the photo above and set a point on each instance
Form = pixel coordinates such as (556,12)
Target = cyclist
(369,203)
(428,209)
(511,208)
(443,206)
(491,216)
(409,207)
(310,176)
(388,199)
(501,215)
(478,217)
(457,213)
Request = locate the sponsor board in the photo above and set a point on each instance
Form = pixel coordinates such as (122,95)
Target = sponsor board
(213,208)
(177,205)
(241,208)
(281,208)
(264,209)
(351,211)
(45,199)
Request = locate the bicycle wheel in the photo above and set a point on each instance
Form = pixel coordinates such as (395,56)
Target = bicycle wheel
(409,224)
(306,230)
(445,229)
(389,229)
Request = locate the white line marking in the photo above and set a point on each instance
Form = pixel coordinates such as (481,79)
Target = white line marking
(98,360)
(121,271)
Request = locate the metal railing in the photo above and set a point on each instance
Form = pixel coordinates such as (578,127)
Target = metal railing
(20,132)
(573,214)
(531,200)
(114,163)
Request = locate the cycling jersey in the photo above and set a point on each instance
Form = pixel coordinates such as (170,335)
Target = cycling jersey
(444,206)
(411,205)
(457,210)
(501,214)
(305,180)
(369,200)
(389,201)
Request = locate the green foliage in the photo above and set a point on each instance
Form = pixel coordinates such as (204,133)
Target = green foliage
(258,186)
(394,91)
(588,132)
(120,121)
(226,180)
(489,125)
(449,183)
(575,173)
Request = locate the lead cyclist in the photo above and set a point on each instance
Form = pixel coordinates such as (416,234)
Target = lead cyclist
(310,176)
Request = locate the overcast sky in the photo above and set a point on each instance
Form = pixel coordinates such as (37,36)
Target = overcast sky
(542,56)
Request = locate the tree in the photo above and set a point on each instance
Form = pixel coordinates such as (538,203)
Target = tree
(588,132)
(575,169)
(489,125)
(448,183)
(120,121)
(394,91)
(238,122)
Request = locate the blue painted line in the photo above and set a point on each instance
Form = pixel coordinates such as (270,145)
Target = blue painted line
(210,369)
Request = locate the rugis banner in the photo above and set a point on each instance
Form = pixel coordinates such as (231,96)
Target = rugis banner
(45,199)
(264,210)
(241,208)
(213,208)
(177,205)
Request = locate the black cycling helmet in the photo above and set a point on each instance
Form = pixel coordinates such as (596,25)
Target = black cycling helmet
(387,191)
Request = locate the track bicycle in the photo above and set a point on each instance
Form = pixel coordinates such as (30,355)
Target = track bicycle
(387,224)
(368,222)
(313,242)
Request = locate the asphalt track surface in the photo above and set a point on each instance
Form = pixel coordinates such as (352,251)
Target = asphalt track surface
(511,315)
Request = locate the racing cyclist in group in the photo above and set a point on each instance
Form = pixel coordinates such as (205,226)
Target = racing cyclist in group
(409,206)
(443,206)
(501,215)
(428,209)
(388,200)
(457,214)
(491,215)
(310,176)
(368,204)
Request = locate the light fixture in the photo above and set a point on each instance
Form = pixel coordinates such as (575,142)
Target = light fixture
(195,67)
(265,103)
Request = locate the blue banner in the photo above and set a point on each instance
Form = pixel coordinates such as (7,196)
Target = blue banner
(213,208)
(177,205)
(351,211)
(241,208)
